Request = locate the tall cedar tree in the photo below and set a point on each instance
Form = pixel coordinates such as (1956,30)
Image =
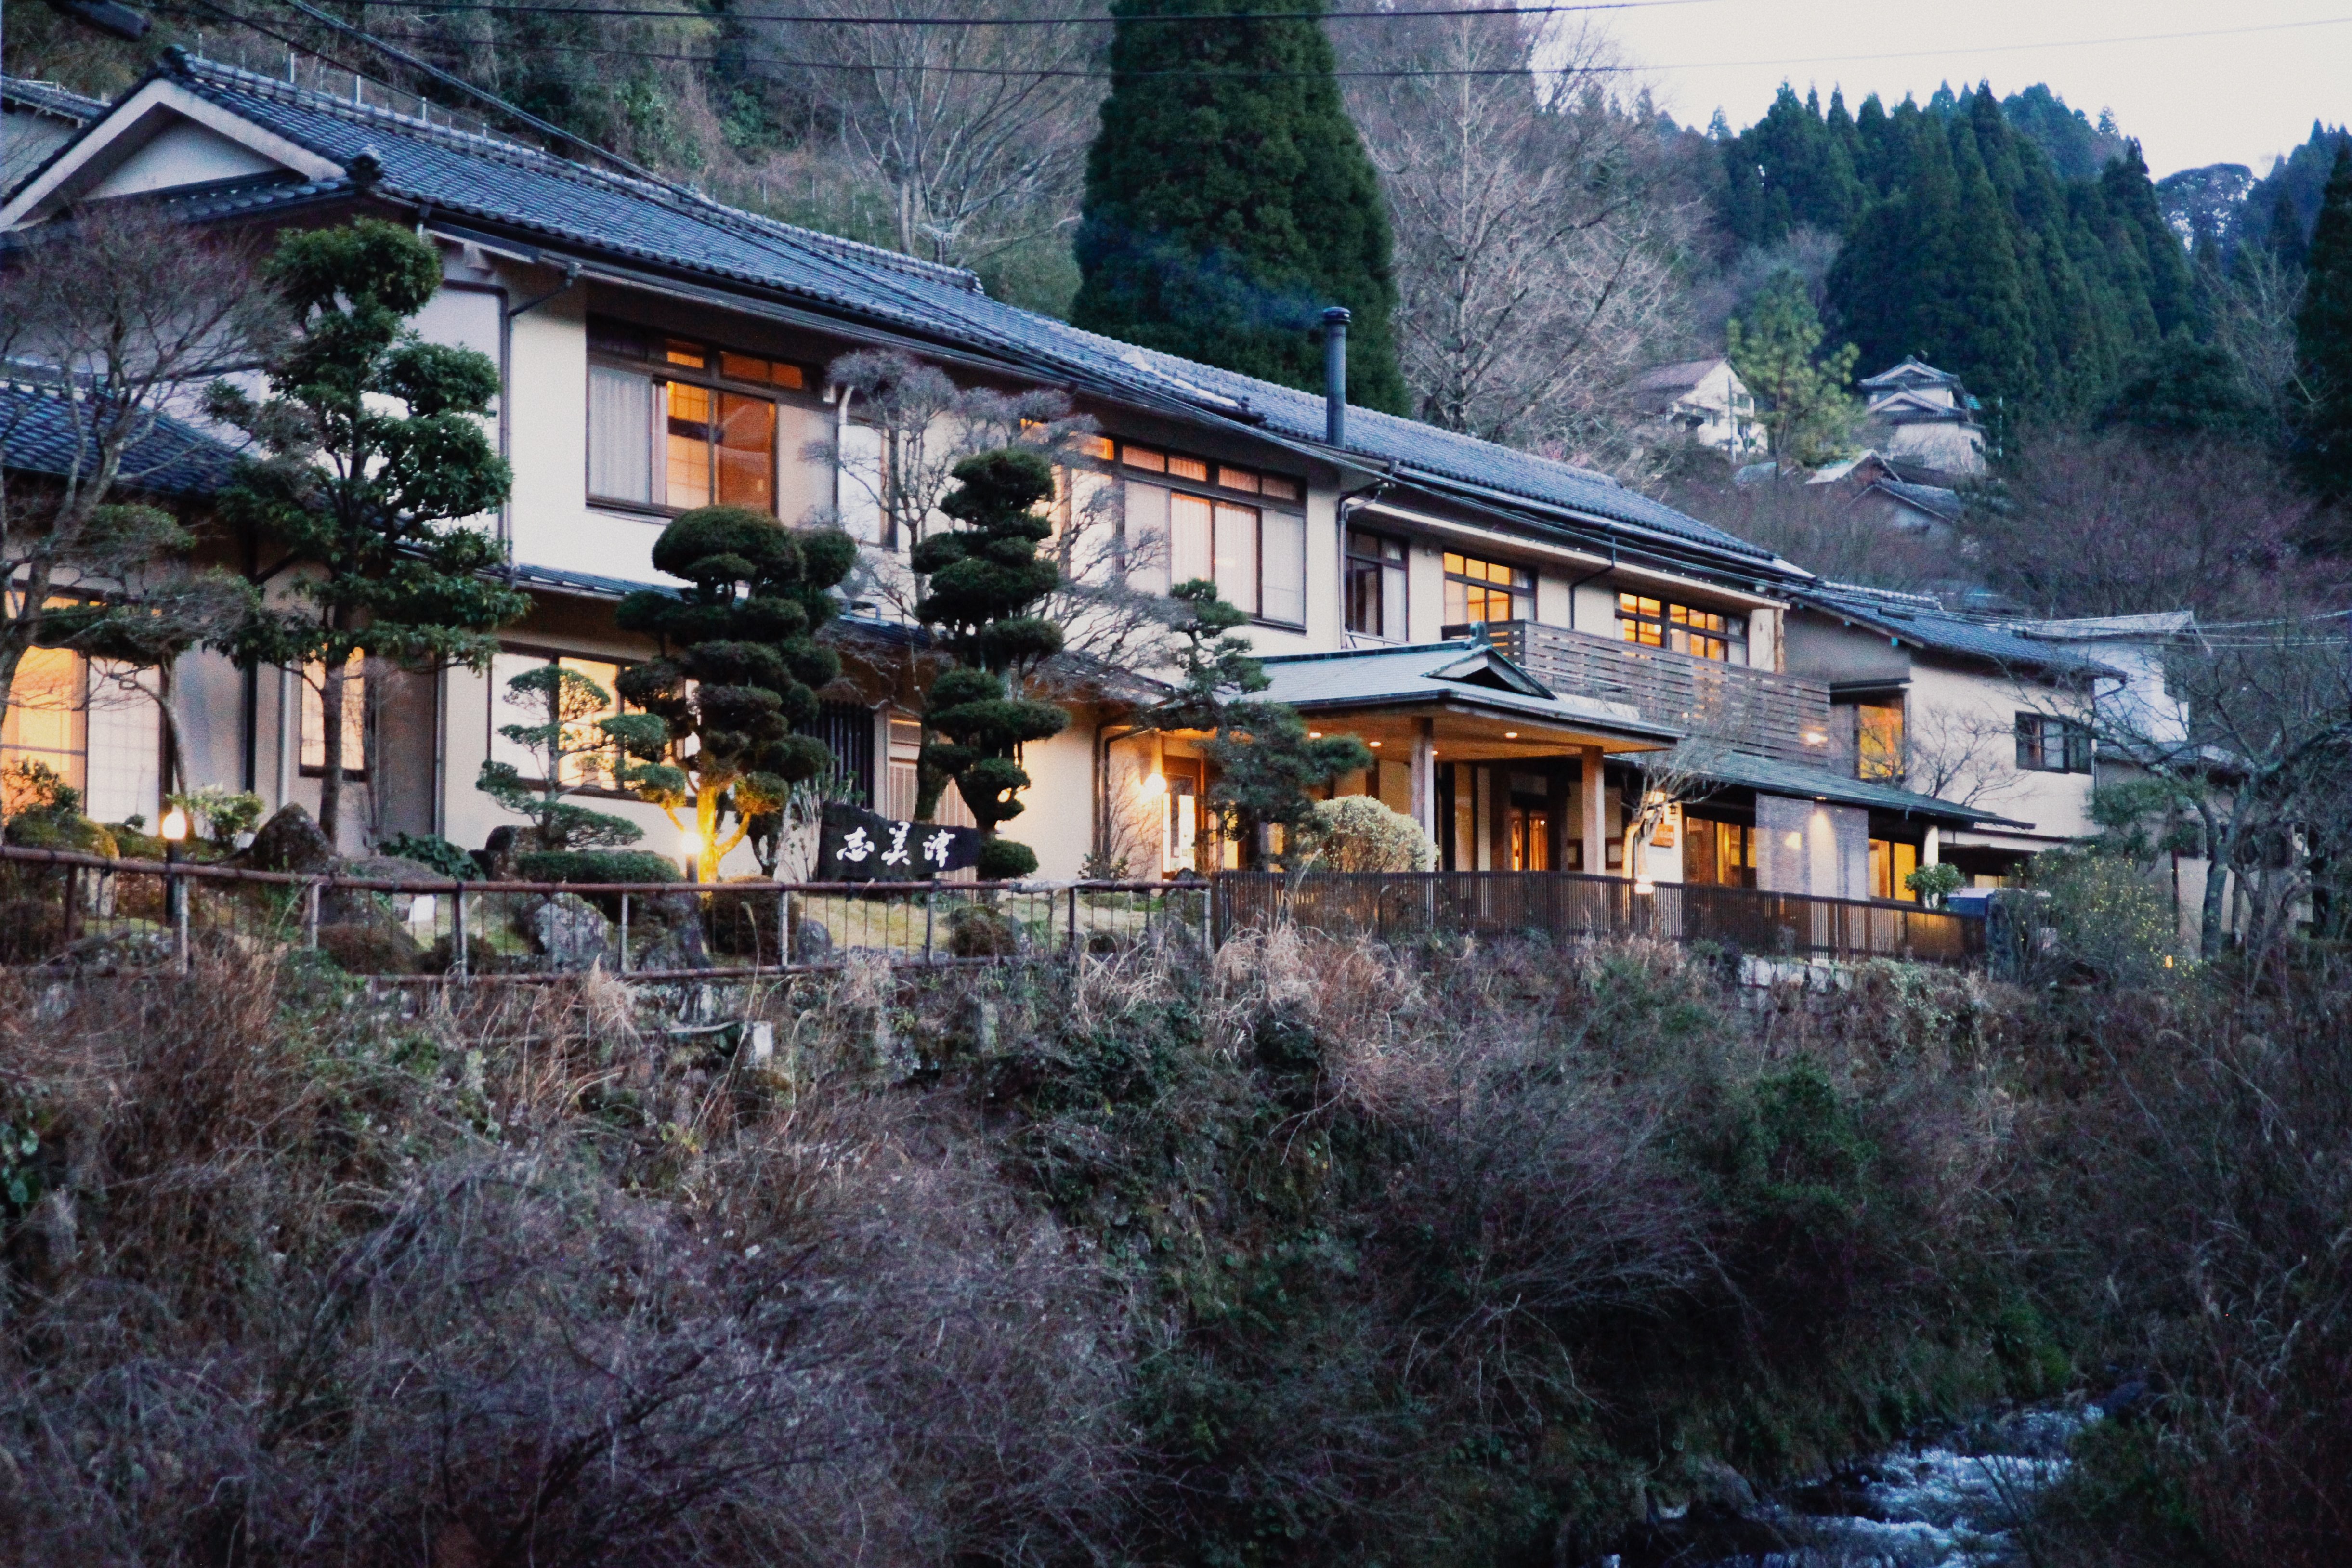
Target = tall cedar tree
(376,455)
(1775,349)
(1229,200)
(982,585)
(1964,245)
(2323,336)
(739,671)
(1265,760)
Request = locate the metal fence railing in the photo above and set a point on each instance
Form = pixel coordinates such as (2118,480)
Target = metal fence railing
(66,909)
(1392,907)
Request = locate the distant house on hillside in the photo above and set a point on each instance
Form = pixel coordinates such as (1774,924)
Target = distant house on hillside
(1924,416)
(1895,495)
(1704,400)
(37,118)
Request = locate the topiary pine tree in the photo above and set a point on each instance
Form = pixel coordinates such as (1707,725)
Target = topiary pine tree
(1265,760)
(1229,199)
(1776,349)
(376,453)
(2323,337)
(738,670)
(982,583)
(567,738)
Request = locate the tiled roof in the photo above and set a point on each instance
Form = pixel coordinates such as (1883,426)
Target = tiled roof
(460,175)
(48,98)
(37,435)
(1932,498)
(1457,671)
(1744,770)
(1921,621)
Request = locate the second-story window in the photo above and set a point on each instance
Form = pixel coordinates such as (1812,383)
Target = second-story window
(1660,623)
(1255,554)
(1481,591)
(1376,585)
(1878,751)
(2048,744)
(675,423)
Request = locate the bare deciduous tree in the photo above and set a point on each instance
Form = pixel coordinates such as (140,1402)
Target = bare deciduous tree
(1534,243)
(103,327)
(977,138)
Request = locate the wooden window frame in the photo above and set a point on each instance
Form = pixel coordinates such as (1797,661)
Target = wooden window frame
(1349,557)
(710,376)
(1514,590)
(2035,733)
(1674,619)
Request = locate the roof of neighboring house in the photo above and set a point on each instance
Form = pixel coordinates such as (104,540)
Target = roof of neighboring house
(2092,628)
(47,97)
(1912,372)
(1924,622)
(1460,671)
(573,207)
(39,435)
(1744,770)
(1934,499)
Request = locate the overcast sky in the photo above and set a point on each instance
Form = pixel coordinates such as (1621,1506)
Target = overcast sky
(2239,96)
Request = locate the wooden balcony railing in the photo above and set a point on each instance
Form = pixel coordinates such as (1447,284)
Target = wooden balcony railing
(1786,717)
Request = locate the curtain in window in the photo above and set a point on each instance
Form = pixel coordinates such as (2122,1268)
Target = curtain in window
(1189,553)
(620,434)
(47,715)
(1285,543)
(1236,562)
(747,451)
(1144,539)
(314,714)
(692,411)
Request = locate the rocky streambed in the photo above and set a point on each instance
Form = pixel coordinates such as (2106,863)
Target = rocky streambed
(1951,1499)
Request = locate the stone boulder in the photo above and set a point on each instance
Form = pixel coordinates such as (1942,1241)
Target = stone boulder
(571,932)
(291,841)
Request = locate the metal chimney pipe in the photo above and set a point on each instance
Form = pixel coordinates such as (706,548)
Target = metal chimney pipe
(1335,375)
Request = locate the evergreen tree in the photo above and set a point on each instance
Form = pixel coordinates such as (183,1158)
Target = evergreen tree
(1229,201)
(2323,336)
(1266,761)
(982,585)
(375,454)
(566,738)
(1776,351)
(738,670)
(2186,388)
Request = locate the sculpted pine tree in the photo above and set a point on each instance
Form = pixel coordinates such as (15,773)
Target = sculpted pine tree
(1229,199)
(566,738)
(739,669)
(1265,760)
(376,456)
(982,586)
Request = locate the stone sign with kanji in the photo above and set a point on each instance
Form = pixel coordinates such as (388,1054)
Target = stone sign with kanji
(857,846)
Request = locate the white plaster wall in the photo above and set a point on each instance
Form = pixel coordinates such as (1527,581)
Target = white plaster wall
(2056,804)
(1424,590)
(182,154)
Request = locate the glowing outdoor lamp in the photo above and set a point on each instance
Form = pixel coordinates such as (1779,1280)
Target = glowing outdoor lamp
(1154,786)
(689,846)
(175,893)
(175,826)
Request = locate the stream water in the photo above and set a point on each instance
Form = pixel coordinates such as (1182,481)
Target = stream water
(1950,1501)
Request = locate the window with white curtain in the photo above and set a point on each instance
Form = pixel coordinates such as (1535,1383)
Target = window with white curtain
(1256,558)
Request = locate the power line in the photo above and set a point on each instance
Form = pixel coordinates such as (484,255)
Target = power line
(1393,73)
(1101,18)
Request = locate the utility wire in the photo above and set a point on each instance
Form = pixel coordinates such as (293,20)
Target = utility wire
(1388,74)
(1099,18)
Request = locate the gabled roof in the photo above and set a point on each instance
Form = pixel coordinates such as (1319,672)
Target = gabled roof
(2158,624)
(1922,622)
(1933,500)
(39,435)
(1912,372)
(574,211)
(47,97)
(1461,672)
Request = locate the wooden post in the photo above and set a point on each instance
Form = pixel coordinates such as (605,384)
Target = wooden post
(1594,795)
(1425,775)
(310,916)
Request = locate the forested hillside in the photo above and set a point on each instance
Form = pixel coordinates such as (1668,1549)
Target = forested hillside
(1964,245)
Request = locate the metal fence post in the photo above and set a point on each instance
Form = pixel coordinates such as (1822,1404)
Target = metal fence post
(310,915)
(458,913)
(930,900)
(624,933)
(784,933)
(1074,917)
